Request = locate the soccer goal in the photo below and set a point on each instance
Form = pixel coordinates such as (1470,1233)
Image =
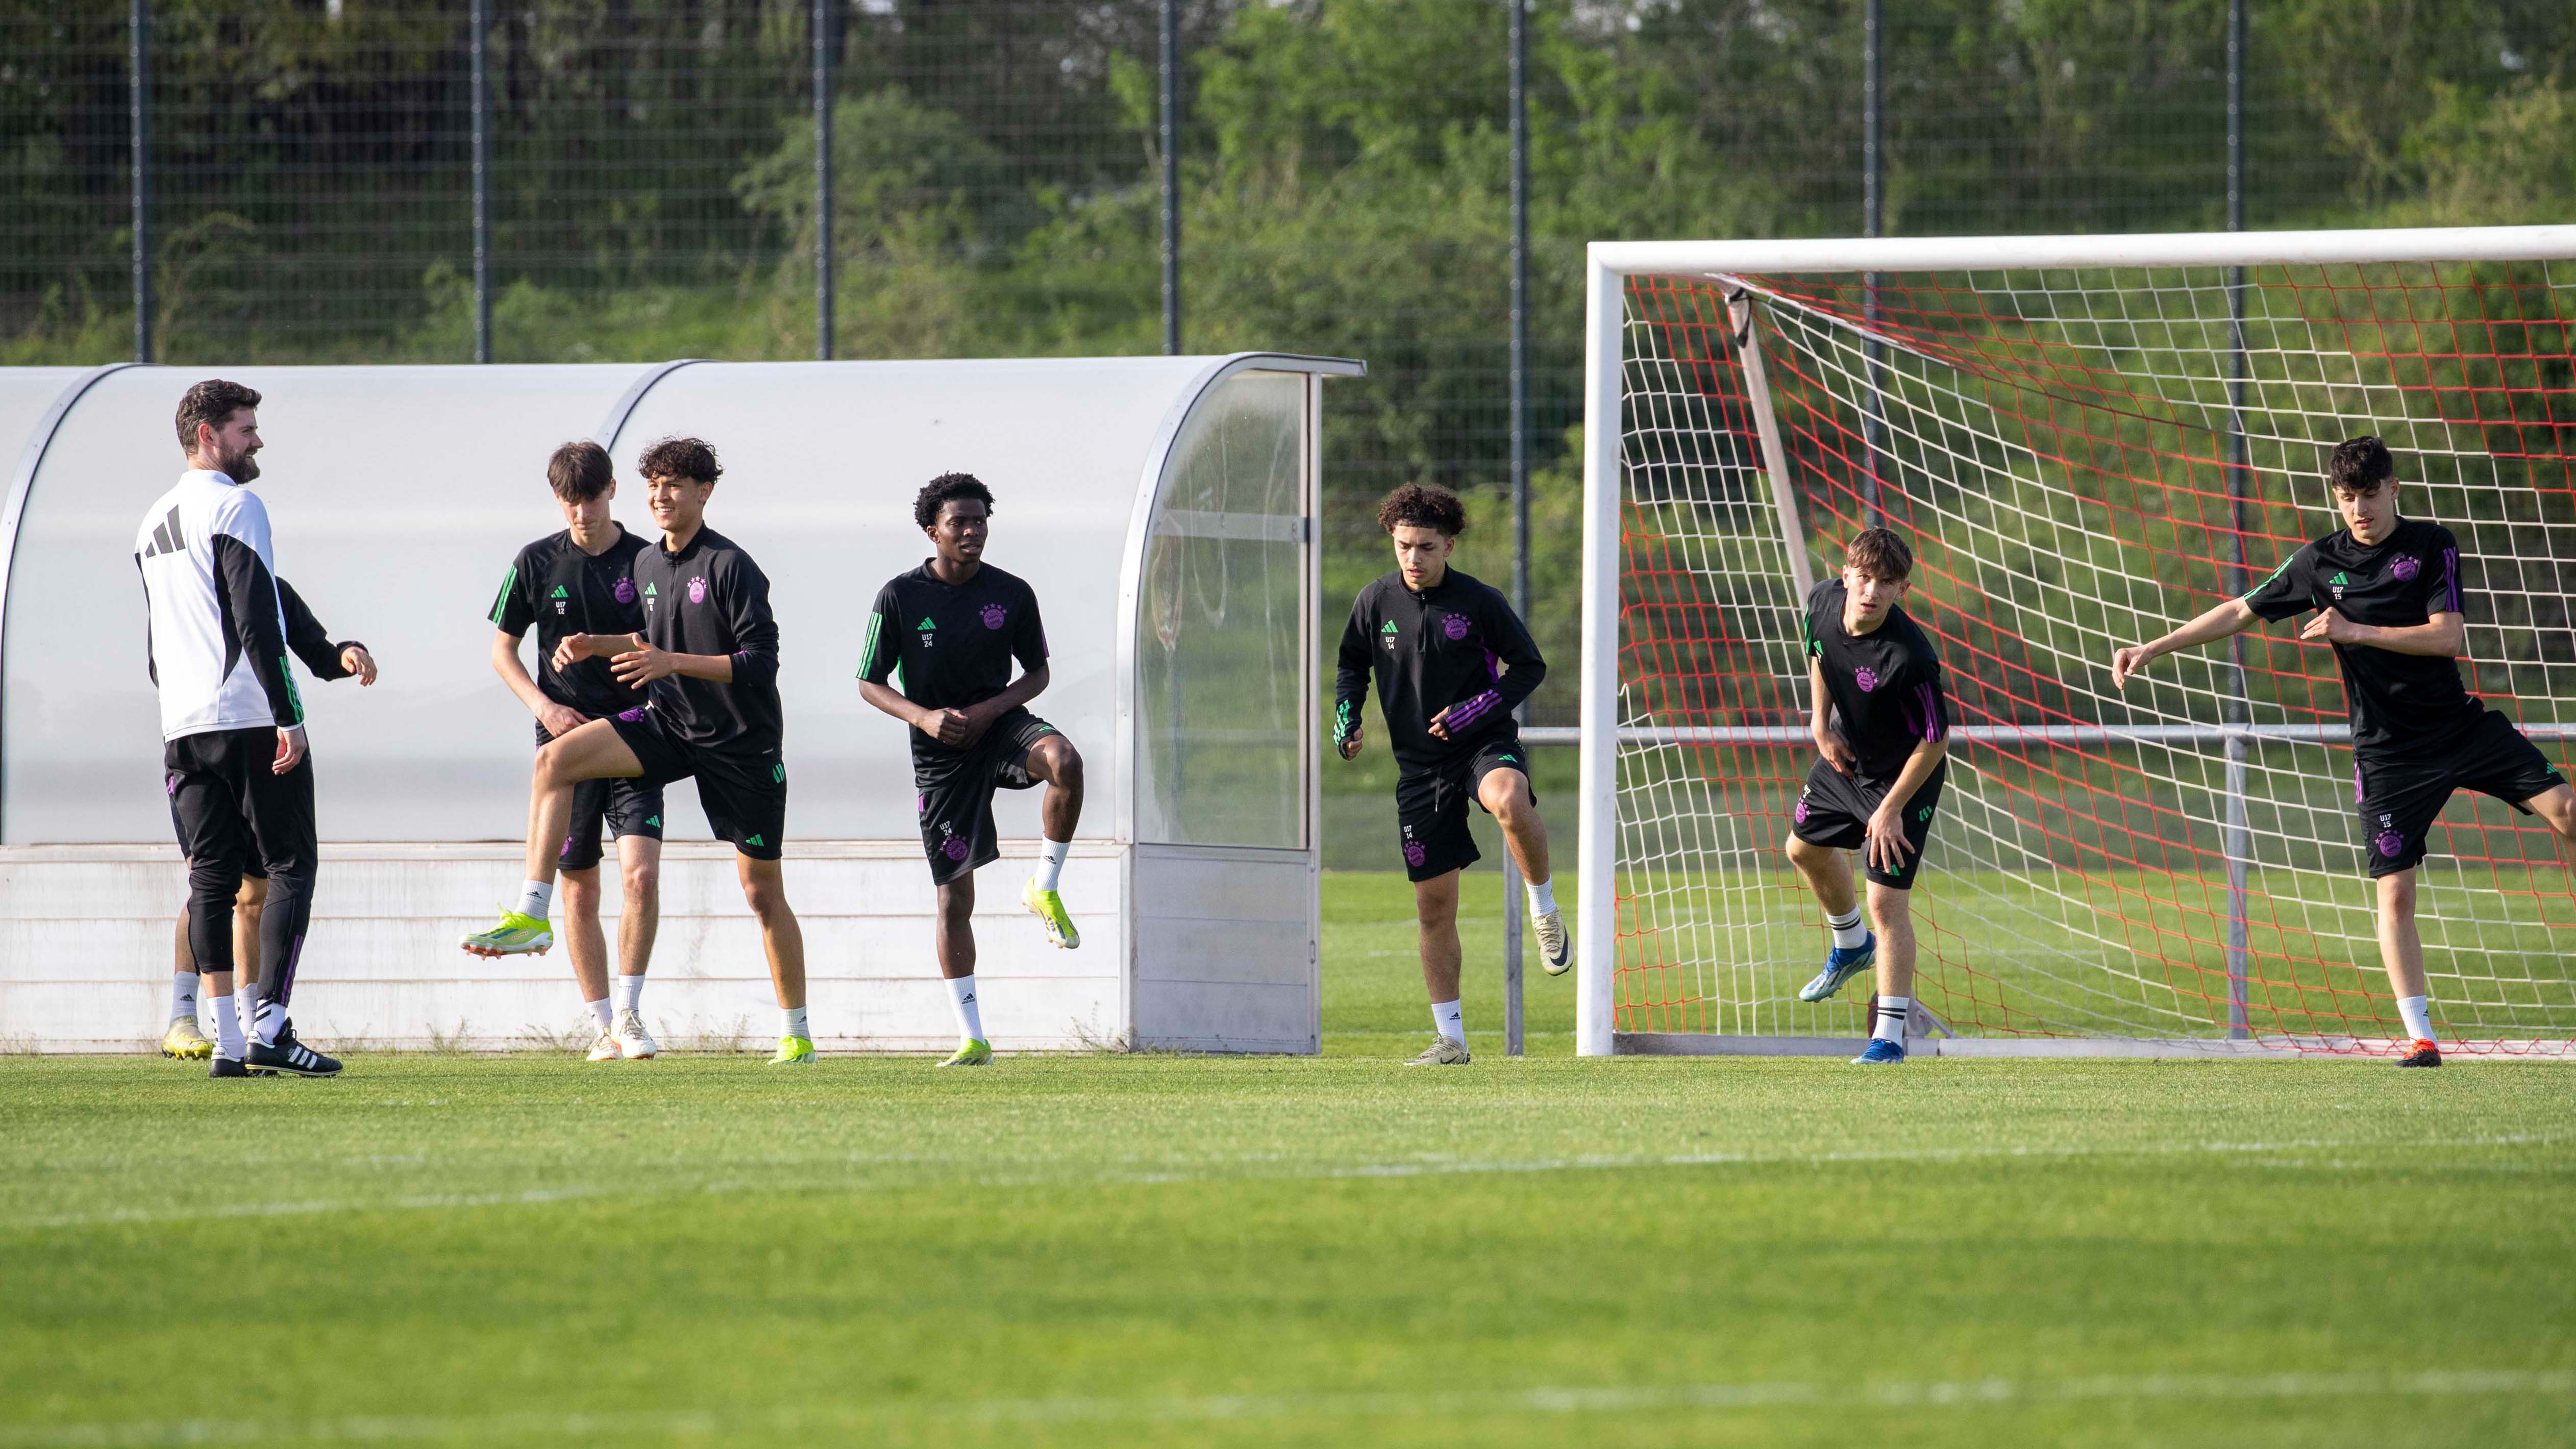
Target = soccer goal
(2087,440)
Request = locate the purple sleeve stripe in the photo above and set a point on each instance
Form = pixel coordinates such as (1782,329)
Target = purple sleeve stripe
(1932,729)
(1474,709)
(2451,577)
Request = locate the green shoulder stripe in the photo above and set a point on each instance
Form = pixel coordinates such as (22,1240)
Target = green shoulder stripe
(501,600)
(2268,578)
(868,651)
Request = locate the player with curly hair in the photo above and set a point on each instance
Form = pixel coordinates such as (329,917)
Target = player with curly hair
(1451,661)
(941,640)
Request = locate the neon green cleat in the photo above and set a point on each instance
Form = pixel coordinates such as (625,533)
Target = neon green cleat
(793,1051)
(184,1041)
(971,1053)
(1048,906)
(517,935)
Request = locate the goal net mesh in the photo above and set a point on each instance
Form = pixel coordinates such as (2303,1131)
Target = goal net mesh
(2077,468)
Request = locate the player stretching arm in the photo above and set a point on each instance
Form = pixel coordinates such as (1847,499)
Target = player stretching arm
(2388,594)
(310,642)
(709,654)
(582,581)
(951,628)
(1876,783)
(1432,637)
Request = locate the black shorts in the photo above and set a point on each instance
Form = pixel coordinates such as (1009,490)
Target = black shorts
(1834,811)
(622,807)
(227,805)
(954,792)
(1431,804)
(2399,798)
(742,791)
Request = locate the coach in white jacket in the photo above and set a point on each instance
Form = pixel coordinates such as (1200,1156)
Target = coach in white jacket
(240,783)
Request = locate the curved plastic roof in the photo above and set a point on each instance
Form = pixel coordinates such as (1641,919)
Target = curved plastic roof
(399,495)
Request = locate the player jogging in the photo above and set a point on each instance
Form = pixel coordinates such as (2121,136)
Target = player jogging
(582,581)
(185,1038)
(1881,720)
(951,628)
(2388,594)
(233,754)
(709,653)
(1452,662)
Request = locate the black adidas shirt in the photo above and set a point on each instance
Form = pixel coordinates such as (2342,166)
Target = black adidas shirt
(710,598)
(2400,703)
(561,590)
(952,643)
(1886,685)
(1455,646)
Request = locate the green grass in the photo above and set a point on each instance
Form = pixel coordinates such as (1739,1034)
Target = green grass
(1163,1250)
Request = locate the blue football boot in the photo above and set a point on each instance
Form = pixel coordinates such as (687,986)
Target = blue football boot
(1842,963)
(1880,1052)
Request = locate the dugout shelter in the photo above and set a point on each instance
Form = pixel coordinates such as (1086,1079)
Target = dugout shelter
(1164,509)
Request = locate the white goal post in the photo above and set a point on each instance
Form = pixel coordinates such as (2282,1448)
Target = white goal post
(2087,439)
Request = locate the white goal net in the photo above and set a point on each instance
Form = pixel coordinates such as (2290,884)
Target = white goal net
(2086,445)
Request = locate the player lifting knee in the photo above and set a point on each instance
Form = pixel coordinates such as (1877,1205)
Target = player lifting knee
(2388,594)
(1882,729)
(708,657)
(950,629)
(1451,661)
(582,581)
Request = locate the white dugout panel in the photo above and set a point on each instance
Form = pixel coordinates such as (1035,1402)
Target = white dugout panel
(1162,507)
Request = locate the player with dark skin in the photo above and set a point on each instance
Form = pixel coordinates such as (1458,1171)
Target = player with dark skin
(957,537)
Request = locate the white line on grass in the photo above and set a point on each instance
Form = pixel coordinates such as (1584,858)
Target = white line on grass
(1967,1393)
(2261,1153)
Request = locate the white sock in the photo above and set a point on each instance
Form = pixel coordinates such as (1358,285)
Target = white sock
(537,898)
(599,1008)
(183,995)
(2418,1011)
(1051,855)
(1542,897)
(228,1037)
(1848,930)
(792,1022)
(628,992)
(1448,1020)
(970,1011)
(246,1008)
(269,1016)
(1891,1018)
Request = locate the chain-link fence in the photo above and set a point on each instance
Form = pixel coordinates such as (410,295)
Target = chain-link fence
(1344,177)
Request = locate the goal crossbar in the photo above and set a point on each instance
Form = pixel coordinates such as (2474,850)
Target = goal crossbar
(1733,269)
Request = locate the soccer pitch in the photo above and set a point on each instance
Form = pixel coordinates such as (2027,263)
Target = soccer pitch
(1161,1250)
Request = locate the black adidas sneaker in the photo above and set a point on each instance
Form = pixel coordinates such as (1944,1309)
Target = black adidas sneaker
(292,1057)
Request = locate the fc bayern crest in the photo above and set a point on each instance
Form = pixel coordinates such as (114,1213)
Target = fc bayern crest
(994,614)
(1455,626)
(1866,678)
(1414,853)
(625,591)
(2389,843)
(954,847)
(698,589)
(2404,568)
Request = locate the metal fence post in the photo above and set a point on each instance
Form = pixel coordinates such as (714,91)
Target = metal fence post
(2237,839)
(1170,136)
(1873,205)
(138,115)
(1513,1031)
(823,325)
(482,23)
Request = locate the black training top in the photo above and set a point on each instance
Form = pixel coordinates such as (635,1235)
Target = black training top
(2401,703)
(1886,684)
(561,590)
(1456,646)
(952,643)
(710,598)
(305,635)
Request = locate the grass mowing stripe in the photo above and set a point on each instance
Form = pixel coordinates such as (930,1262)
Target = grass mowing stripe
(1968,1393)
(730,1184)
